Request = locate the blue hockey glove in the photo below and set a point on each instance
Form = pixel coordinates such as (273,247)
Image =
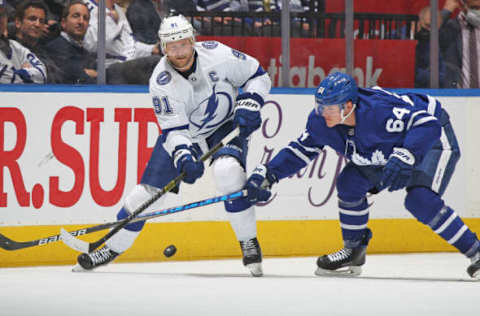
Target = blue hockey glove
(259,184)
(398,170)
(247,113)
(185,162)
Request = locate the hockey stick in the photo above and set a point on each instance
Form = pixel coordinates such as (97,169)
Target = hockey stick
(8,244)
(172,184)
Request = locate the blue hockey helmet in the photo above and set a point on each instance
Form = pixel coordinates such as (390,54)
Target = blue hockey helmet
(336,89)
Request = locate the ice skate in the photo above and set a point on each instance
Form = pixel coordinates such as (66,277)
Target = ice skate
(346,261)
(474,269)
(252,256)
(90,261)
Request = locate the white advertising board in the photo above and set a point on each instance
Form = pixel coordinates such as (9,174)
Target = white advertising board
(70,158)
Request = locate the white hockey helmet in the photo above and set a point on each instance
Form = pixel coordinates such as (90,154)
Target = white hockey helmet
(175,28)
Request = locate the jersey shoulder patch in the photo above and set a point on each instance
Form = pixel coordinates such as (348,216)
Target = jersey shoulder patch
(210,44)
(164,77)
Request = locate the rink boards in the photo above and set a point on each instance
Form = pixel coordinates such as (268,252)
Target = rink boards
(70,154)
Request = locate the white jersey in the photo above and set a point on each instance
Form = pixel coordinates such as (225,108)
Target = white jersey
(120,44)
(22,66)
(191,110)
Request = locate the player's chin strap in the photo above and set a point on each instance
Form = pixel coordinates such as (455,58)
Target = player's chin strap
(346,116)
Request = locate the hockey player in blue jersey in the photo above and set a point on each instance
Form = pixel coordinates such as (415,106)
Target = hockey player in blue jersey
(392,142)
(195,94)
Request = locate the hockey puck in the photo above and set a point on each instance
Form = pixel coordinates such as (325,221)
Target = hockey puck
(169,251)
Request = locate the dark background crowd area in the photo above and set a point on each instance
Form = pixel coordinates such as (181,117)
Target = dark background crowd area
(309,19)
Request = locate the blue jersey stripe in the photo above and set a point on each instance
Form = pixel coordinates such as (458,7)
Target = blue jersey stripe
(260,72)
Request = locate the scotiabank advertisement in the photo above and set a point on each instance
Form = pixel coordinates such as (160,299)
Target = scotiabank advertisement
(71,158)
(387,63)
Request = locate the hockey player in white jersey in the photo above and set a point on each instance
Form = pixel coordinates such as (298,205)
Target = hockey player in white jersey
(195,93)
(17,63)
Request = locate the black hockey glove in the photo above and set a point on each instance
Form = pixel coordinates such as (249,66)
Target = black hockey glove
(247,113)
(184,160)
(398,170)
(259,184)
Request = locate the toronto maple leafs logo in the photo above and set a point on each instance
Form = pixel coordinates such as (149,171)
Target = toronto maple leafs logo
(378,159)
(377,156)
(212,111)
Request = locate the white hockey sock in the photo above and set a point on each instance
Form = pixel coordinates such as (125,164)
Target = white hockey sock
(244,223)
(122,240)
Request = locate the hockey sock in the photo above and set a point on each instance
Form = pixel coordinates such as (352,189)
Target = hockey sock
(244,223)
(448,225)
(430,209)
(353,221)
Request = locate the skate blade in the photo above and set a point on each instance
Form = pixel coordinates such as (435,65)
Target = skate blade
(351,271)
(255,269)
(79,268)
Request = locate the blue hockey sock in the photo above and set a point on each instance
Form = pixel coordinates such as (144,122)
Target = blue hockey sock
(430,209)
(353,221)
(448,225)
(237,205)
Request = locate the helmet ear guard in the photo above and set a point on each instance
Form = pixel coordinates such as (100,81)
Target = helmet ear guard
(175,28)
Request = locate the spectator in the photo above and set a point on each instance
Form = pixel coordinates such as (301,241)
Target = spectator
(9,6)
(314,5)
(300,26)
(460,48)
(135,71)
(128,61)
(67,50)
(422,50)
(17,63)
(223,25)
(120,44)
(214,5)
(32,32)
(30,23)
(180,6)
(144,21)
(54,10)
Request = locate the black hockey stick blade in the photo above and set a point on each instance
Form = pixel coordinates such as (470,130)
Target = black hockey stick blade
(172,184)
(9,244)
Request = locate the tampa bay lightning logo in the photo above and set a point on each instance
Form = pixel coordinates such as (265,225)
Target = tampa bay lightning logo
(163,78)
(210,44)
(218,107)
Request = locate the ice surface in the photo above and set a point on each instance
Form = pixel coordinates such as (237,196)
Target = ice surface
(407,284)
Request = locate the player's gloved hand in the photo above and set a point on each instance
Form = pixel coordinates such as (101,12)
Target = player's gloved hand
(247,113)
(259,184)
(398,170)
(184,161)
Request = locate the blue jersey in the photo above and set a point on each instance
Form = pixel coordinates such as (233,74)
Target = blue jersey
(383,121)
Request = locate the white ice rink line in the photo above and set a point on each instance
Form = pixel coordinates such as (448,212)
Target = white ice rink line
(409,284)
